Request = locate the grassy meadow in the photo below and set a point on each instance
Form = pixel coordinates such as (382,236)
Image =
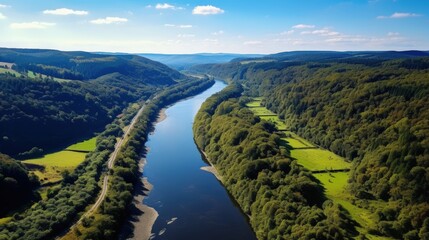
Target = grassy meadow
(49,167)
(319,159)
(85,146)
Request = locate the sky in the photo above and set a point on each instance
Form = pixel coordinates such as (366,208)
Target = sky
(228,26)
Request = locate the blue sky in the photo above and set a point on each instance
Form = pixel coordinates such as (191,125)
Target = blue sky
(191,26)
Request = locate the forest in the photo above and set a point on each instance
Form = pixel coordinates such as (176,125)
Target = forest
(49,217)
(370,109)
(49,99)
(39,112)
(282,199)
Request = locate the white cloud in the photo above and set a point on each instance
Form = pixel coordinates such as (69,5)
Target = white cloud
(2,16)
(303,26)
(164,6)
(218,33)
(400,15)
(321,32)
(65,11)
(4,6)
(178,26)
(252,42)
(207,10)
(287,32)
(186,35)
(109,20)
(393,34)
(31,25)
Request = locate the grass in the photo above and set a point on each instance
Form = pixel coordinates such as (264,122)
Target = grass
(295,143)
(5,220)
(85,146)
(262,111)
(255,103)
(335,189)
(265,114)
(11,71)
(319,159)
(280,125)
(54,164)
(33,75)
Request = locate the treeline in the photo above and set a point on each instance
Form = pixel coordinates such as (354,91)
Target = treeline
(125,174)
(15,182)
(375,114)
(281,198)
(39,114)
(49,217)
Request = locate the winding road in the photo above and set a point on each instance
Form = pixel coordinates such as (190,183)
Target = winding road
(110,165)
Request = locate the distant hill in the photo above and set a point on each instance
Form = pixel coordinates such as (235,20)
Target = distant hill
(85,66)
(50,98)
(184,61)
(333,55)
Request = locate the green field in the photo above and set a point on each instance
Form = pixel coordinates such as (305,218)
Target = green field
(4,70)
(294,143)
(319,159)
(54,164)
(254,104)
(32,74)
(85,146)
(335,189)
(261,111)
(265,114)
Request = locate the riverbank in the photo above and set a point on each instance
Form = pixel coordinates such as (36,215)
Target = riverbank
(211,168)
(139,224)
(161,116)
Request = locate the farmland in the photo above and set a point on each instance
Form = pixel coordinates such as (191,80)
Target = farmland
(50,167)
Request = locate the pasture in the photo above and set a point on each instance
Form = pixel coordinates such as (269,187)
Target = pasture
(4,70)
(319,159)
(294,143)
(52,165)
(85,146)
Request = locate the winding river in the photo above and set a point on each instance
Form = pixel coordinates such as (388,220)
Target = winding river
(191,203)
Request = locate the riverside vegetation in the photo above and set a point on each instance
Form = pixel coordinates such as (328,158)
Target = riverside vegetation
(369,107)
(41,113)
(282,199)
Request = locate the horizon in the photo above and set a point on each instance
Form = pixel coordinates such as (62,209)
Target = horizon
(192,27)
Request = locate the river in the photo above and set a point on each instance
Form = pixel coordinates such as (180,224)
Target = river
(191,203)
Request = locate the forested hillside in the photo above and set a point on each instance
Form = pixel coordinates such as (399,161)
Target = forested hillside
(282,199)
(16,182)
(371,109)
(49,98)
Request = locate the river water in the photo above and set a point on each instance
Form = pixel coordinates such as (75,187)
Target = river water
(192,203)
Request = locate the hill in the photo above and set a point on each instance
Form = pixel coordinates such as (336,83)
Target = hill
(184,61)
(86,66)
(369,107)
(50,98)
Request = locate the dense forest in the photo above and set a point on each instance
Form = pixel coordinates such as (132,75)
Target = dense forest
(282,199)
(17,182)
(37,113)
(370,109)
(49,217)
